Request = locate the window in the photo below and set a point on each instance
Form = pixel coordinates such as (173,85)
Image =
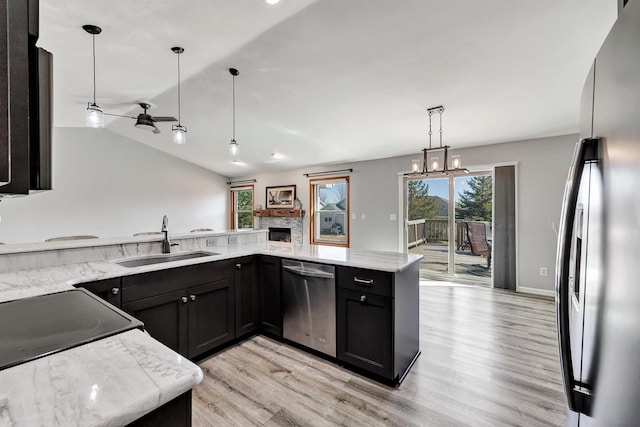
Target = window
(330,215)
(242,207)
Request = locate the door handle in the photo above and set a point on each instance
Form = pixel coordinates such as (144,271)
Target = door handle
(578,394)
(363,298)
(184,300)
(193,297)
(115,291)
(238,266)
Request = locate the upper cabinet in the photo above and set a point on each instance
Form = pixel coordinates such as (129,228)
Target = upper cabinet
(25,102)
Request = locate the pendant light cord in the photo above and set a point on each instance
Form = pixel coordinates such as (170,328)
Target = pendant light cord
(93,36)
(179,90)
(233,89)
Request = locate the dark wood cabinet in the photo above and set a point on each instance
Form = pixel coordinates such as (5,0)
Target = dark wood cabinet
(164,317)
(365,338)
(189,309)
(108,290)
(246,296)
(25,101)
(176,413)
(270,294)
(211,315)
(378,321)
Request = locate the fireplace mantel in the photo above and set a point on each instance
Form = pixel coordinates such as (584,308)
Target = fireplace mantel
(286,213)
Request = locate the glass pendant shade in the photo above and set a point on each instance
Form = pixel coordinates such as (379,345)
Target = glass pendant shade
(415,165)
(455,162)
(234,147)
(179,134)
(94,117)
(435,163)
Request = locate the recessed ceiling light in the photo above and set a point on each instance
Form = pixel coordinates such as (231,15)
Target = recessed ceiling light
(272,1)
(238,162)
(277,156)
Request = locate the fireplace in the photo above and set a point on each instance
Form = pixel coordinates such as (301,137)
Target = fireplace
(280,234)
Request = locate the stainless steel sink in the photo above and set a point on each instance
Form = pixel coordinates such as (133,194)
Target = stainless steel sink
(159,259)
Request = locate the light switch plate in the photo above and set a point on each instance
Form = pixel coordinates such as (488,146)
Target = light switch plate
(211,242)
(544,271)
(393,217)
(362,216)
(353,216)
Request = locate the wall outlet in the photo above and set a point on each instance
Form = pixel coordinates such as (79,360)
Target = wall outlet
(544,271)
(393,217)
(362,216)
(353,216)
(211,242)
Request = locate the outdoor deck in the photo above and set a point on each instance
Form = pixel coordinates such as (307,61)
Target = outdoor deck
(468,267)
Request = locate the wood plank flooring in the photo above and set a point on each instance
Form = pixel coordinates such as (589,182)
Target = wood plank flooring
(489,358)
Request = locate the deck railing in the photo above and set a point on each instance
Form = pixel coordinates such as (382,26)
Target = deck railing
(437,230)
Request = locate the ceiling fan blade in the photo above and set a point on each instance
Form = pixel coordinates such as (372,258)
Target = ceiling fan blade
(155,129)
(164,119)
(118,115)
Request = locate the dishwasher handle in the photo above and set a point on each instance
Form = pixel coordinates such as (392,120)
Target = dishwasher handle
(308,272)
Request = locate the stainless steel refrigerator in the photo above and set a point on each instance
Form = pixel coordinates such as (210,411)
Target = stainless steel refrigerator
(598,263)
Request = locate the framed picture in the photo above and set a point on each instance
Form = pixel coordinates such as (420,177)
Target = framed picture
(281,197)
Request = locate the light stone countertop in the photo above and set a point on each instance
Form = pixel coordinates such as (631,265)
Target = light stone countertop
(110,382)
(26,283)
(118,379)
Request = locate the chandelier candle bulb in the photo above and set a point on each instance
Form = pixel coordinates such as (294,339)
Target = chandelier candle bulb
(435,164)
(455,161)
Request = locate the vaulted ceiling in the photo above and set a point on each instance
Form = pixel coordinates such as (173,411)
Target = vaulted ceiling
(326,81)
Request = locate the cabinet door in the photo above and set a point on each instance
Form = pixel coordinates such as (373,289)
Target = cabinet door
(270,291)
(108,290)
(164,318)
(211,316)
(246,296)
(364,331)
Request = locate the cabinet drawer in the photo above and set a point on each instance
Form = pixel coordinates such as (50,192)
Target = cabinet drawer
(164,281)
(363,280)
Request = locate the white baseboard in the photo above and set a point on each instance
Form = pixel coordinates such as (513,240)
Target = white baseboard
(536,291)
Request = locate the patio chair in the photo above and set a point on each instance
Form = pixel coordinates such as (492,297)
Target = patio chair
(477,236)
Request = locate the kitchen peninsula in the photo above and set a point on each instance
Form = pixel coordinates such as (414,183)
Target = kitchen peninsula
(118,379)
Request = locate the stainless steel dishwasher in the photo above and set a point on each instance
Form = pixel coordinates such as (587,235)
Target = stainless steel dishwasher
(309,305)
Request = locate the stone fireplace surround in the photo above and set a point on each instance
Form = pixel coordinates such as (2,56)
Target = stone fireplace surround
(295,224)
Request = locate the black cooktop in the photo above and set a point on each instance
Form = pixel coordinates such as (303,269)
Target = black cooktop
(39,326)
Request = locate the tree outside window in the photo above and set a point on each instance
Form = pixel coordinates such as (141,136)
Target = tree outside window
(242,208)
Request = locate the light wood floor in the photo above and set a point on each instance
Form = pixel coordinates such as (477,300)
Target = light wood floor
(489,358)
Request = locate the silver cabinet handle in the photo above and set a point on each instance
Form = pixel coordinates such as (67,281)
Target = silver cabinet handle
(238,266)
(184,300)
(363,282)
(363,298)
(115,291)
(193,297)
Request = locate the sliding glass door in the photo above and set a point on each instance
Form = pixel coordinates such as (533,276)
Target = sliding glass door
(455,238)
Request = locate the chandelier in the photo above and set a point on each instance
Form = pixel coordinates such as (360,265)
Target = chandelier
(431,163)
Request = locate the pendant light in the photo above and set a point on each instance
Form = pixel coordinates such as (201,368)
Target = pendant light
(431,156)
(179,131)
(93,116)
(234,147)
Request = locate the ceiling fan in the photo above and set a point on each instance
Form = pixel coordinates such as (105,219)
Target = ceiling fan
(146,121)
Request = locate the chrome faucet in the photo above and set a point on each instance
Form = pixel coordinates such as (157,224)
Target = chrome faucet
(166,244)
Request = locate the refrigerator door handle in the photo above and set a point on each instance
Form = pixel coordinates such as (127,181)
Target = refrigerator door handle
(578,394)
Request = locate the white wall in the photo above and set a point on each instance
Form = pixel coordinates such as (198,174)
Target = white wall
(108,185)
(542,170)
